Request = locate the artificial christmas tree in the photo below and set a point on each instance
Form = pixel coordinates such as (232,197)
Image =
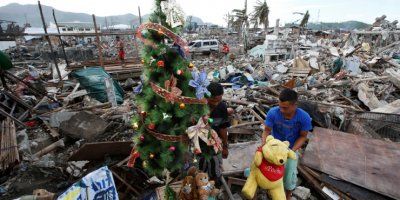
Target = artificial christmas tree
(172,96)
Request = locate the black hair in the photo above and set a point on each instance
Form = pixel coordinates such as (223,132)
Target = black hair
(215,89)
(117,37)
(288,95)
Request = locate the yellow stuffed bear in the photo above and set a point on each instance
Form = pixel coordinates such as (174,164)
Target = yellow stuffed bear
(268,168)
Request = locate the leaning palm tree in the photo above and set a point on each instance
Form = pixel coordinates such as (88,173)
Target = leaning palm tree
(304,21)
(260,14)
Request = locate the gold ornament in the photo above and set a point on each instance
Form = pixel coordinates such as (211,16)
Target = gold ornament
(151,155)
(191,65)
(142,61)
(182,106)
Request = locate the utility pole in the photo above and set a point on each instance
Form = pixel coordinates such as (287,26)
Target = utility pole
(49,41)
(140,16)
(59,37)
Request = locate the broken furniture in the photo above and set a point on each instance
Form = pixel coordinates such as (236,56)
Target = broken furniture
(13,107)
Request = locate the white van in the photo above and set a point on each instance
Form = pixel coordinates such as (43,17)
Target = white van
(203,46)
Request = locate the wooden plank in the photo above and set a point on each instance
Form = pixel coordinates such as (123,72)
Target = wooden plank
(354,191)
(369,163)
(241,131)
(98,150)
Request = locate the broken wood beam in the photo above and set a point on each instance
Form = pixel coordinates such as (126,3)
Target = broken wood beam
(238,101)
(125,183)
(247,124)
(50,148)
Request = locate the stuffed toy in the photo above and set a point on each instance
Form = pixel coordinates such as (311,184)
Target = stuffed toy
(268,168)
(205,188)
(188,189)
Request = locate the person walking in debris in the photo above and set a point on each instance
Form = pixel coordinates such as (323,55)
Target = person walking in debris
(121,51)
(225,51)
(287,122)
(209,161)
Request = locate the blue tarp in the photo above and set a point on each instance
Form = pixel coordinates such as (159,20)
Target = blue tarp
(92,80)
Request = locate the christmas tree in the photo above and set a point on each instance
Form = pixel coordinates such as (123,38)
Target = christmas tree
(172,93)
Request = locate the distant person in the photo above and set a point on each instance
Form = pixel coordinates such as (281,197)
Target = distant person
(121,51)
(225,51)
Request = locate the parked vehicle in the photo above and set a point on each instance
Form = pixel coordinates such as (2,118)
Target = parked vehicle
(204,46)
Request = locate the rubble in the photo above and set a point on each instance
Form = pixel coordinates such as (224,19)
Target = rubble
(83,125)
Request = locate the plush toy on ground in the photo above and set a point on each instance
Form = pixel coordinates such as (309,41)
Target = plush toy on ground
(188,190)
(205,187)
(268,168)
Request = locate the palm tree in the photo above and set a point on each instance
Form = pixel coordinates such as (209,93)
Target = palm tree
(240,18)
(304,21)
(260,14)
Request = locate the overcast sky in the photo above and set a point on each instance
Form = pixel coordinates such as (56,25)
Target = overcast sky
(214,10)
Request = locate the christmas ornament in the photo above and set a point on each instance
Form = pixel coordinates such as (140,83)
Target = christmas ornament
(142,61)
(210,120)
(132,157)
(160,64)
(143,114)
(173,94)
(191,65)
(173,12)
(151,155)
(157,27)
(196,132)
(144,164)
(151,126)
(200,83)
(172,148)
(141,138)
(195,160)
(182,106)
(179,72)
(135,126)
(202,131)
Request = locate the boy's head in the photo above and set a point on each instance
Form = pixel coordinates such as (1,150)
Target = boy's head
(117,38)
(216,91)
(288,101)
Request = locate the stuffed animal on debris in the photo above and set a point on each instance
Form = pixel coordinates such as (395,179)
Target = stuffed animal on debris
(196,185)
(205,187)
(268,168)
(188,190)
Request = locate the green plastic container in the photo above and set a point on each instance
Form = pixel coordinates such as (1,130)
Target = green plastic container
(5,61)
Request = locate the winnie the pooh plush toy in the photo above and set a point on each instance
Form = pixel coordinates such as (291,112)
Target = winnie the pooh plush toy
(268,168)
(205,188)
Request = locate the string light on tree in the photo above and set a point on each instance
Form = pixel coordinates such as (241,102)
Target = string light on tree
(135,126)
(151,156)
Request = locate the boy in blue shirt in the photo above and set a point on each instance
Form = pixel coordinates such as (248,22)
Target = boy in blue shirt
(287,122)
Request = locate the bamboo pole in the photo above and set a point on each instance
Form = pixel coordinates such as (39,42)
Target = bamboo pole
(49,41)
(59,37)
(98,42)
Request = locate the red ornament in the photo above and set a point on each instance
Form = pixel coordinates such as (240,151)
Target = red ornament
(160,64)
(172,148)
(141,138)
(143,113)
(151,126)
(179,72)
